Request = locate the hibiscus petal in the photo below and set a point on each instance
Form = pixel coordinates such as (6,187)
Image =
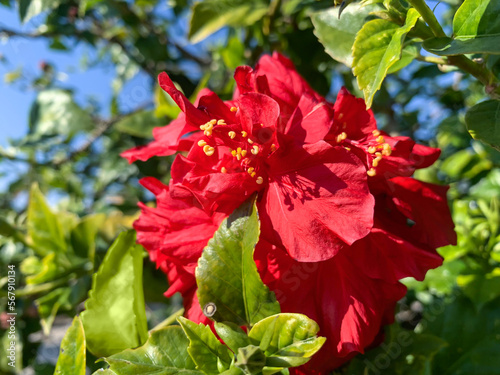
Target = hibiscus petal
(352,117)
(311,120)
(317,201)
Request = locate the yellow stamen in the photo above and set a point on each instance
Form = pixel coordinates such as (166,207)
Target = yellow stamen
(238,150)
(233,152)
(387,150)
(231,134)
(259,180)
(253,174)
(213,122)
(371,172)
(201,143)
(372,149)
(244,153)
(208,150)
(378,154)
(376,133)
(244,133)
(376,161)
(347,148)
(221,122)
(238,157)
(273,147)
(255,150)
(233,109)
(250,170)
(250,141)
(223,170)
(380,139)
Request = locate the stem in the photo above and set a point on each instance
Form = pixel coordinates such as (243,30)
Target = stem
(433,60)
(428,17)
(171,319)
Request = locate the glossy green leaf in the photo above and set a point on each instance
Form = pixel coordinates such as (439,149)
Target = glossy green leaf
(55,113)
(377,47)
(232,335)
(483,122)
(476,29)
(208,16)
(337,34)
(140,124)
(287,339)
(164,353)
(481,288)
(83,235)
(115,317)
(44,227)
(477,17)
(227,275)
(463,45)
(71,359)
(207,352)
(250,359)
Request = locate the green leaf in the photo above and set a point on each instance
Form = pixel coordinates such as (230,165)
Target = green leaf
(83,236)
(209,354)
(377,47)
(115,317)
(164,353)
(288,340)
(44,228)
(338,34)
(71,359)
(476,29)
(227,275)
(55,113)
(232,335)
(477,17)
(30,8)
(473,336)
(483,122)
(250,359)
(462,45)
(140,124)
(481,288)
(48,306)
(208,16)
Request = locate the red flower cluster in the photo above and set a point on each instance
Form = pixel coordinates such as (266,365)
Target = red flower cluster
(342,220)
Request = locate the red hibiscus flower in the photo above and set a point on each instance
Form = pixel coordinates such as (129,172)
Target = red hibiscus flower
(342,220)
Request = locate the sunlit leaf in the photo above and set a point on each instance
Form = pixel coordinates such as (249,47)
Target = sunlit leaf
(483,122)
(377,47)
(164,353)
(71,359)
(115,317)
(227,275)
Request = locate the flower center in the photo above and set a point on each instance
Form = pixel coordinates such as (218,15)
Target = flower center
(236,149)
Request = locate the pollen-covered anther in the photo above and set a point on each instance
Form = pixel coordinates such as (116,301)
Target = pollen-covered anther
(376,161)
(201,143)
(244,134)
(233,109)
(250,141)
(371,172)
(273,147)
(243,153)
(208,150)
(221,122)
(231,134)
(341,137)
(376,133)
(372,149)
(380,139)
(255,150)
(223,170)
(259,180)
(250,170)
(387,150)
